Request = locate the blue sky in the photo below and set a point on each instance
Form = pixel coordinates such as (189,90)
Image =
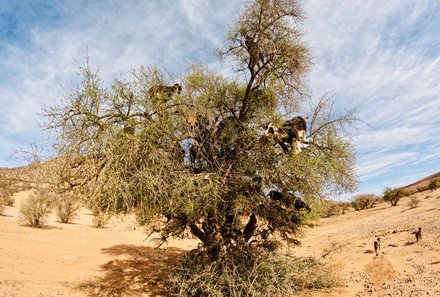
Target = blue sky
(382,57)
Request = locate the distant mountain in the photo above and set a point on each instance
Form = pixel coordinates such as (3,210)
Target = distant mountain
(423,182)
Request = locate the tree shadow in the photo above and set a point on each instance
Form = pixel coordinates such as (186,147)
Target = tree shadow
(142,269)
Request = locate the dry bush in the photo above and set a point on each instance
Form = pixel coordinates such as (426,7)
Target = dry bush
(6,198)
(414,202)
(36,208)
(100,218)
(422,188)
(364,201)
(248,274)
(66,206)
(335,208)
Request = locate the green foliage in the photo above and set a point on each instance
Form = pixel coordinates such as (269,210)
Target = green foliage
(434,184)
(198,160)
(364,201)
(312,217)
(245,274)
(393,195)
(37,207)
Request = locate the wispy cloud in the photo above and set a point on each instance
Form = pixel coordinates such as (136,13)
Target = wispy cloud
(382,57)
(42,46)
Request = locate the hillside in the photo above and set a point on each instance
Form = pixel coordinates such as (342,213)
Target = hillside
(404,267)
(422,182)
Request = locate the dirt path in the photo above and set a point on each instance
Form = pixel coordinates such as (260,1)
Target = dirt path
(78,260)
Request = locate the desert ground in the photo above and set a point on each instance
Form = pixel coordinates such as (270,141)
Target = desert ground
(79,260)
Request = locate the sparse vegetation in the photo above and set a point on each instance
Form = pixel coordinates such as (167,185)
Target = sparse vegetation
(393,195)
(364,201)
(414,201)
(36,207)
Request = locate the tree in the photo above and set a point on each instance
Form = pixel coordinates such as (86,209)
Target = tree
(364,201)
(197,159)
(393,195)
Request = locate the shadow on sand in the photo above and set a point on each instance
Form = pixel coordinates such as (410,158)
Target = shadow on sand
(136,270)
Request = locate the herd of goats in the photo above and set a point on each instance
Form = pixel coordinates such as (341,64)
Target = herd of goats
(290,136)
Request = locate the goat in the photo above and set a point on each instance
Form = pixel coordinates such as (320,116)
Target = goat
(164,93)
(377,246)
(290,135)
(418,234)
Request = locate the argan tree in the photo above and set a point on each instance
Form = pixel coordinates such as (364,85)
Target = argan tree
(196,159)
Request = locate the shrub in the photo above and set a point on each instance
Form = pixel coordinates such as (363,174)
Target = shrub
(434,184)
(36,208)
(8,201)
(364,201)
(247,274)
(335,208)
(6,198)
(100,218)
(414,202)
(66,207)
(393,195)
(422,188)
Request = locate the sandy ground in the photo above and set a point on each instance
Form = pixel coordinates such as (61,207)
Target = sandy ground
(79,260)
(403,267)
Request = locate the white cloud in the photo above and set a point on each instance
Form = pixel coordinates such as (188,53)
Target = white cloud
(383,58)
(380,56)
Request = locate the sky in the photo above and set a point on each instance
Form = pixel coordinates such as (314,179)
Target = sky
(380,57)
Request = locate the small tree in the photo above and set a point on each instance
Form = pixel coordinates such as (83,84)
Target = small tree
(393,195)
